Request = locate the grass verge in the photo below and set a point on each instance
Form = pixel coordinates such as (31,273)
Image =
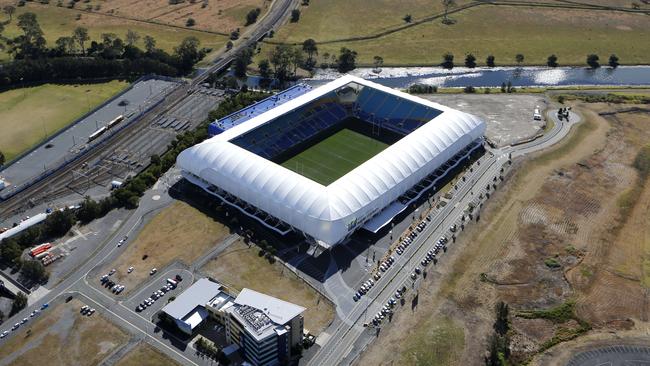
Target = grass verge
(439,342)
(30,115)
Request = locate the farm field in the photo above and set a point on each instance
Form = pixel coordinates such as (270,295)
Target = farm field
(145,355)
(534,32)
(240,266)
(218,16)
(87,340)
(27,115)
(582,204)
(335,156)
(178,232)
(58,21)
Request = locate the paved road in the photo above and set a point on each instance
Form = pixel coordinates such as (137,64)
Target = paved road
(77,284)
(346,338)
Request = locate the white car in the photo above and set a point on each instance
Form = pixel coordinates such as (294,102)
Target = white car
(130,270)
(4,334)
(153,271)
(15,326)
(91,312)
(24,320)
(111,272)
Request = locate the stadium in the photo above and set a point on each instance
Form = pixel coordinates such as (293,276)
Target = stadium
(325,162)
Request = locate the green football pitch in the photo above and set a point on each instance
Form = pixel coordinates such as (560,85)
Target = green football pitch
(335,156)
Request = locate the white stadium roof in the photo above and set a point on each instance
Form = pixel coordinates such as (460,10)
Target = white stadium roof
(327,213)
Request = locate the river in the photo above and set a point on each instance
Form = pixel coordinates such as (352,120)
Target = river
(403,77)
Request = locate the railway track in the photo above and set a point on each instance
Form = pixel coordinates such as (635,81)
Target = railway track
(62,183)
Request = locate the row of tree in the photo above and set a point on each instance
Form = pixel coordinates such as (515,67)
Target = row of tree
(551,61)
(77,56)
(283,61)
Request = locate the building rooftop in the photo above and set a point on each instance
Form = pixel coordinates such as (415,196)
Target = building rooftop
(199,294)
(278,311)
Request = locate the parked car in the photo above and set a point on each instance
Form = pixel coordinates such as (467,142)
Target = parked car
(153,271)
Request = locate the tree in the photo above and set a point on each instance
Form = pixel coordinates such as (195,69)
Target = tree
(378,62)
(613,62)
(490,61)
(88,211)
(503,87)
(295,15)
(519,58)
(58,223)
(552,61)
(34,271)
(20,302)
(501,325)
(149,44)
(447,4)
(80,35)
(297,59)
(190,22)
(9,10)
(347,60)
(407,18)
(265,68)
(132,37)
(65,45)
(243,58)
(31,44)
(470,61)
(2,159)
(252,15)
(592,61)
(280,58)
(310,47)
(188,52)
(447,61)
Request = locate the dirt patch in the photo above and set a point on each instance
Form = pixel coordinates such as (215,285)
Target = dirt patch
(553,229)
(145,355)
(217,16)
(240,266)
(86,340)
(178,232)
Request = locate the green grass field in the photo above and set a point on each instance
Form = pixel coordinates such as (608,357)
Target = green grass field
(59,21)
(28,115)
(335,156)
(502,31)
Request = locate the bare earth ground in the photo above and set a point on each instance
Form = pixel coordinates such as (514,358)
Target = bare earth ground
(62,336)
(563,204)
(178,232)
(218,16)
(145,355)
(240,266)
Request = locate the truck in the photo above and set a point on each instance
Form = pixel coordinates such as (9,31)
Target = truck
(41,255)
(116,184)
(40,249)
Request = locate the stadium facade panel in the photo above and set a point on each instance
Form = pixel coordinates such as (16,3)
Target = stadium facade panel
(237,165)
